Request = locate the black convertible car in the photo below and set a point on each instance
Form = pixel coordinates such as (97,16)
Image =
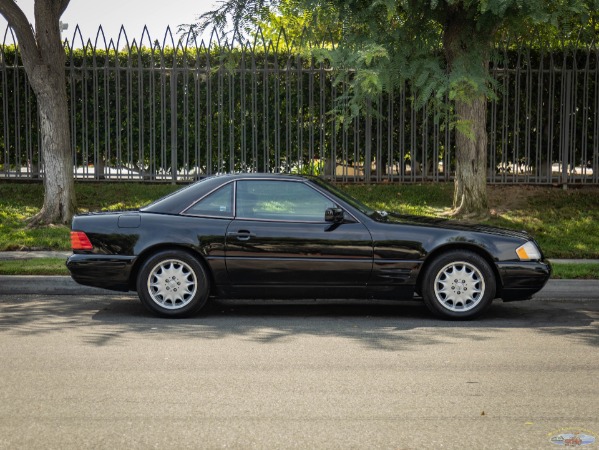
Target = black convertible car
(282,236)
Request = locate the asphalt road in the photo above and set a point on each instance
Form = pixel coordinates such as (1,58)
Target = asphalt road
(97,371)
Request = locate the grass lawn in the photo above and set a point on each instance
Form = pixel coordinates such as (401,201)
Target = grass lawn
(565,223)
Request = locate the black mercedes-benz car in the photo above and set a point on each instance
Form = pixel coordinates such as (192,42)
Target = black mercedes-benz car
(284,236)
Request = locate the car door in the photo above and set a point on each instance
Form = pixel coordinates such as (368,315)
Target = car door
(279,238)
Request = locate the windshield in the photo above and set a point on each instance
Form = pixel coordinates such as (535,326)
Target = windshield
(348,199)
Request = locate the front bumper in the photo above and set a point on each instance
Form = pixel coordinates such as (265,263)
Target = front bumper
(104,271)
(521,279)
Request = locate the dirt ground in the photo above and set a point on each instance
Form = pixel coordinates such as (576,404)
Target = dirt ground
(509,198)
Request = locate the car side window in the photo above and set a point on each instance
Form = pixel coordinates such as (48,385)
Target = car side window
(217,204)
(280,200)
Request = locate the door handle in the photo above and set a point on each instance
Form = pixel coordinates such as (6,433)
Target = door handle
(241,235)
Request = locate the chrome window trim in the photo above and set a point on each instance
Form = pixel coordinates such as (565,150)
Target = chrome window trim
(234,216)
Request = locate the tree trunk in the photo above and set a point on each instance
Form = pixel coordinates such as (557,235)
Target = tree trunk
(59,187)
(44,60)
(463,42)
(470,184)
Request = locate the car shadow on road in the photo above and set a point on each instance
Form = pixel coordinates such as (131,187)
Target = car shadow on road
(381,325)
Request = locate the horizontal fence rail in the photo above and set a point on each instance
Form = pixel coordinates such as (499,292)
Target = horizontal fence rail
(176,112)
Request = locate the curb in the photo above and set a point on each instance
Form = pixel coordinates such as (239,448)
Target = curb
(64,285)
(11,256)
(569,290)
(48,285)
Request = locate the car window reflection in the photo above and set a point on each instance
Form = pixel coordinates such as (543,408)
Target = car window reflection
(276,200)
(217,204)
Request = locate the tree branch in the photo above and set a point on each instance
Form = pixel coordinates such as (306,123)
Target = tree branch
(62,6)
(18,22)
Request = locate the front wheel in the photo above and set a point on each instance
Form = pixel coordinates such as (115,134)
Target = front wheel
(458,285)
(173,283)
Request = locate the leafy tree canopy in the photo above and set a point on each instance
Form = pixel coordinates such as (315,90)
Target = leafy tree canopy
(436,44)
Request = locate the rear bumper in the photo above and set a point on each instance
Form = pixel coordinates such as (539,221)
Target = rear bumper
(521,279)
(104,271)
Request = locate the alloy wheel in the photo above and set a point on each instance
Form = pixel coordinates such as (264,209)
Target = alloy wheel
(459,286)
(172,284)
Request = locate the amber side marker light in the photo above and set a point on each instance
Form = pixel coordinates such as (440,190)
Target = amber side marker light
(528,252)
(80,241)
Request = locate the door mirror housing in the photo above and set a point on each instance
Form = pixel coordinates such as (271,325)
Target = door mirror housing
(334,215)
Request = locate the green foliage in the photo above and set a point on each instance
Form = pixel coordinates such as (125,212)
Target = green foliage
(441,46)
(313,167)
(293,27)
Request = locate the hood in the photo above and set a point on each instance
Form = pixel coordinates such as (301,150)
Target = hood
(407,219)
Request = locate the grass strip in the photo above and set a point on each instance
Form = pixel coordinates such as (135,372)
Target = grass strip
(37,266)
(56,266)
(576,271)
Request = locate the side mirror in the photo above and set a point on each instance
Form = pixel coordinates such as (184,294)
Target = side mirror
(334,215)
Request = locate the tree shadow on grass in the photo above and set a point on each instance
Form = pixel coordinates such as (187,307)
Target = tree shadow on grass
(401,326)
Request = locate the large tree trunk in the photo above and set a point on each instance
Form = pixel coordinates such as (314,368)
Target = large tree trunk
(44,61)
(59,188)
(470,183)
(462,42)
(49,84)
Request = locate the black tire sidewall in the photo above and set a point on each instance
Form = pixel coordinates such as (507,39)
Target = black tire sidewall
(428,291)
(200,297)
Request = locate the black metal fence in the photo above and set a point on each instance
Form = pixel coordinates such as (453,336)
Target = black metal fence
(174,111)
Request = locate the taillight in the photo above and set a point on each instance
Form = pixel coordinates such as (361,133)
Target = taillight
(80,241)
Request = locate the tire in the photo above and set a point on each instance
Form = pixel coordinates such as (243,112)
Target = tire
(458,285)
(173,283)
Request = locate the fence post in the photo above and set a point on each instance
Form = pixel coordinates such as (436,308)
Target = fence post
(368,143)
(173,79)
(565,141)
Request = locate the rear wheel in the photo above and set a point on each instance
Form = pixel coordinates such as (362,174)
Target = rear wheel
(173,283)
(459,285)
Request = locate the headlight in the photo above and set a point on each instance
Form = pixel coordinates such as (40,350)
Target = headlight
(528,251)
